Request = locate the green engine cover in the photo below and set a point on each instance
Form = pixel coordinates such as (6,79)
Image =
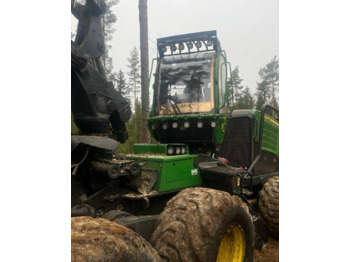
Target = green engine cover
(270,139)
(174,171)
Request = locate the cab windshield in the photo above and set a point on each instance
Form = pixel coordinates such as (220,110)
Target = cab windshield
(185,84)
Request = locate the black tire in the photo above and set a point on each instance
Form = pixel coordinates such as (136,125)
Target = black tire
(269,205)
(97,239)
(194,222)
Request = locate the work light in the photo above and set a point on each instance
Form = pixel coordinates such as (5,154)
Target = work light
(199,44)
(173,48)
(183,150)
(170,150)
(181,46)
(189,45)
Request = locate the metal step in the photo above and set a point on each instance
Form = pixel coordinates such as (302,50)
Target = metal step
(247,192)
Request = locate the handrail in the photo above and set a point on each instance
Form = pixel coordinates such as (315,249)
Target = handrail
(223,53)
(230,70)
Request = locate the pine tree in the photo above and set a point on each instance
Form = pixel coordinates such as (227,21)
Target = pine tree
(269,85)
(121,86)
(236,81)
(246,100)
(134,73)
(261,95)
(108,21)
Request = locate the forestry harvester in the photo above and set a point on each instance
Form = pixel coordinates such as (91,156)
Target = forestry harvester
(187,197)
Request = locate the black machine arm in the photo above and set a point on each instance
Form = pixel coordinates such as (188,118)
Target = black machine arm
(98,109)
(89,38)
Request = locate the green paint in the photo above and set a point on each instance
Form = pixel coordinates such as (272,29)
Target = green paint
(270,139)
(175,172)
(178,171)
(220,129)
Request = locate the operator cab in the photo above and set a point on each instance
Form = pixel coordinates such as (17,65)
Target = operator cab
(191,95)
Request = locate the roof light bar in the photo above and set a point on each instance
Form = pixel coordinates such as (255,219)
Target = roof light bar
(183,44)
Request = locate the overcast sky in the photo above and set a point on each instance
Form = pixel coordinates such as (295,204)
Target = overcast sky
(247,29)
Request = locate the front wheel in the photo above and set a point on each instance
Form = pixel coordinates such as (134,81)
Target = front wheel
(206,225)
(98,239)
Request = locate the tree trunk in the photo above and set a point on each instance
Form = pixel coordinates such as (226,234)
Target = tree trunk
(144,67)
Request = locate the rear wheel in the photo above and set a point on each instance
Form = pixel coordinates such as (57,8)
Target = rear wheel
(201,224)
(269,205)
(97,239)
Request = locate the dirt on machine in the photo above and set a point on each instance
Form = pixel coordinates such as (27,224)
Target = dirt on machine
(187,197)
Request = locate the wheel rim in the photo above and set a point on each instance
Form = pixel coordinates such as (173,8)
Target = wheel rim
(232,245)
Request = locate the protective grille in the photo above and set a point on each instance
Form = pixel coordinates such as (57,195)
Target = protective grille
(237,142)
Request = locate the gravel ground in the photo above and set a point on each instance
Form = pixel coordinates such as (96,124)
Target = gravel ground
(270,252)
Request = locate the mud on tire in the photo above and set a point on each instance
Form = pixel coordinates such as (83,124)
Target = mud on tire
(269,205)
(194,221)
(97,239)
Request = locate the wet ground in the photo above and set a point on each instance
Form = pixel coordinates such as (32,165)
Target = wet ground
(270,252)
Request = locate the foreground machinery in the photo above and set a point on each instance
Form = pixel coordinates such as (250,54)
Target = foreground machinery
(186,198)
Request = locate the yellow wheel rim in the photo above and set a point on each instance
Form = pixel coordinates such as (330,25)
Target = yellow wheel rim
(232,245)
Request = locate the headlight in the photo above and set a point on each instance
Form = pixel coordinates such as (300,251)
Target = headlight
(183,150)
(178,150)
(213,124)
(165,126)
(199,124)
(154,126)
(187,124)
(170,150)
(175,125)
